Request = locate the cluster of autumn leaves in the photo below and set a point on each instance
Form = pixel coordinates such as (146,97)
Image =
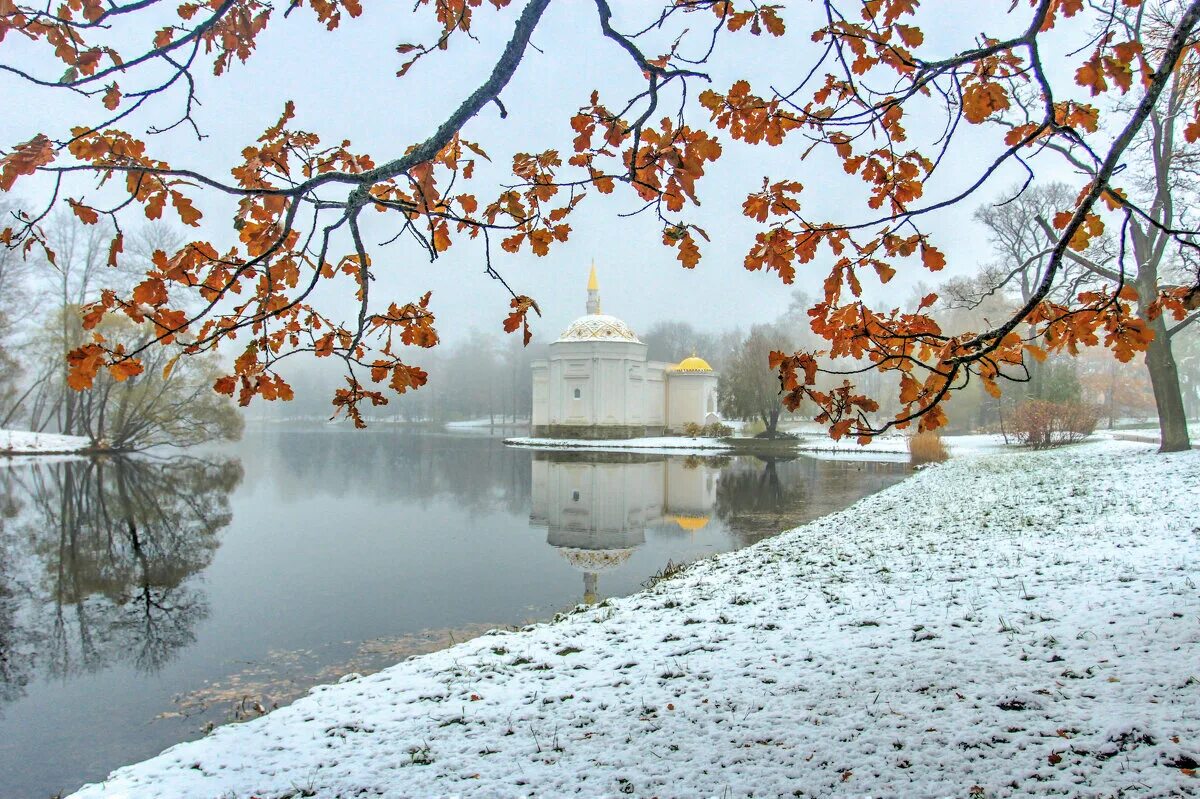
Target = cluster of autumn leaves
(260,288)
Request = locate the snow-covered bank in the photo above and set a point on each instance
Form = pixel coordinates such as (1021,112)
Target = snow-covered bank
(819,444)
(24,442)
(1003,624)
(893,446)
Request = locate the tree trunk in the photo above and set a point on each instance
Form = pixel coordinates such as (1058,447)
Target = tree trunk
(1164,378)
(1036,388)
(1111,400)
(772,422)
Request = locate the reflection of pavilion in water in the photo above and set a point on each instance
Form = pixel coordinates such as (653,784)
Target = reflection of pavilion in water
(596,511)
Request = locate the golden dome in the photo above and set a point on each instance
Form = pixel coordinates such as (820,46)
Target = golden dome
(692,364)
(690,523)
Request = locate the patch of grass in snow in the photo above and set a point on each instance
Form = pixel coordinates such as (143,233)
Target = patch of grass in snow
(668,572)
(420,755)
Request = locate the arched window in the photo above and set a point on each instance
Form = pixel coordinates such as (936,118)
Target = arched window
(577,394)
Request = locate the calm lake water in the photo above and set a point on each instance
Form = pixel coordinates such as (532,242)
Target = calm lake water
(144,600)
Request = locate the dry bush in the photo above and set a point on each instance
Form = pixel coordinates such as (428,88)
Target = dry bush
(692,430)
(717,430)
(1040,423)
(927,447)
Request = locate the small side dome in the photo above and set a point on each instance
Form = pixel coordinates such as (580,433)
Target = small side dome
(692,364)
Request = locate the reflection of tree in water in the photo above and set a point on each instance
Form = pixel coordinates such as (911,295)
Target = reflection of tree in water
(14,670)
(103,550)
(759,498)
(754,502)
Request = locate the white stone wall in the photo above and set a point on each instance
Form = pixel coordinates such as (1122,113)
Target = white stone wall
(690,397)
(654,396)
(594,383)
(610,383)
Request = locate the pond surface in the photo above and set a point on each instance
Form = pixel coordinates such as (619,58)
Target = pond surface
(144,600)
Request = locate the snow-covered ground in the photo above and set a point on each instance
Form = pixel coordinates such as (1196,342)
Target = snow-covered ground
(1006,623)
(1151,435)
(652,443)
(23,442)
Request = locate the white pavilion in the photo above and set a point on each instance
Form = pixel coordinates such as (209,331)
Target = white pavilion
(597,383)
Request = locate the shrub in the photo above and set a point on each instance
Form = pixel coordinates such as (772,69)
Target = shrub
(1040,423)
(927,447)
(692,429)
(717,430)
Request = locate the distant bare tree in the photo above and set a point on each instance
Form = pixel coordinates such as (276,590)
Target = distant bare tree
(748,387)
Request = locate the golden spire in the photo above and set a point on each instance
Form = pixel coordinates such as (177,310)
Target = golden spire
(593,290)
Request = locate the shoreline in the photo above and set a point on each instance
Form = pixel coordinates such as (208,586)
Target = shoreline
(928,639)
(887,448)
(20,443)
(85,452)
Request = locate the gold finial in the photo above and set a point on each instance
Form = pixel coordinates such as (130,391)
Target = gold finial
(593,290)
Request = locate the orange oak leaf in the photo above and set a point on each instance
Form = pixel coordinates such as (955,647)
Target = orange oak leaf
(982,99)
(115,248)
(86,214)
(25,159)
(124,369)
(932,258)
(82,366)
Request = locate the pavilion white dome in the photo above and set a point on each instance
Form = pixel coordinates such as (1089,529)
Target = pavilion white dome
(598,327)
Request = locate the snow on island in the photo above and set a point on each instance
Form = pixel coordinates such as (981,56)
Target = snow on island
(651,443)
(24,442)
(819,445)
(1002,624)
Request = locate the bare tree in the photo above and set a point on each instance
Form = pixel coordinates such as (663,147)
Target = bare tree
(748,387)
(1156,248)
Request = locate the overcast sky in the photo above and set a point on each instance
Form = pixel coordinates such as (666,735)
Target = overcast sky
(344,86)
